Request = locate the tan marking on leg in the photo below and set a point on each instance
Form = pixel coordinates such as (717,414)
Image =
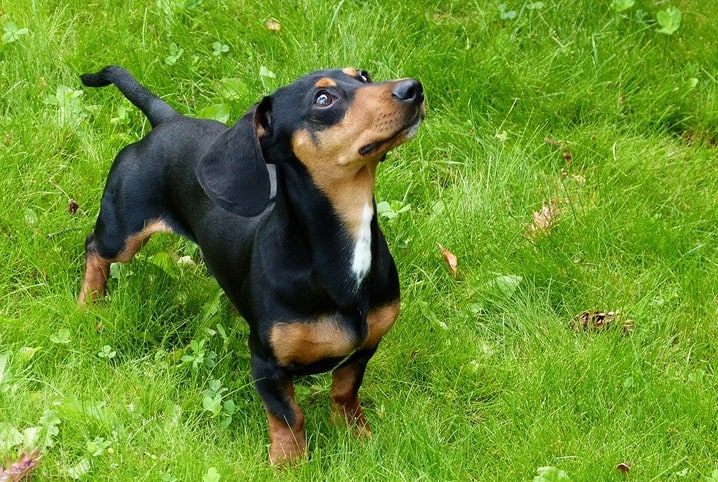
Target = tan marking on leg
(304,343)
(135,242)
(288,443)
(380,320)
(346,408)
(96,271)
(346,379)
(97,268)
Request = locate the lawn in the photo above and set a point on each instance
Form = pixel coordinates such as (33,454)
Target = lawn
(568,162)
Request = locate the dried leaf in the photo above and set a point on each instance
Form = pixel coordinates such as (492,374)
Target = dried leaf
(624,467)
(451,260)
(543,220)
(627,327)
(17,471)
(600,320)
(72,206)
(273,25)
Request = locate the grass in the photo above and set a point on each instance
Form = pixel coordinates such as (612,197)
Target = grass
(482,378)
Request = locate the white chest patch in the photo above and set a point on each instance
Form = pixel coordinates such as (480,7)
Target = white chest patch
(361,262)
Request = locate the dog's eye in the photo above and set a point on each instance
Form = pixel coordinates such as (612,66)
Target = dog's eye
(322,99)
(364,76)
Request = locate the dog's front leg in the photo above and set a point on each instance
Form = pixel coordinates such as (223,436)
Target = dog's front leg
(346,380)
(288,443)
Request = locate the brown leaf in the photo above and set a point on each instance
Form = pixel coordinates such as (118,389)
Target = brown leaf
(72,206)
(600,320)
(624,467)
(451,260)
(273,25)
(543,220)
(17,471)
(627,327)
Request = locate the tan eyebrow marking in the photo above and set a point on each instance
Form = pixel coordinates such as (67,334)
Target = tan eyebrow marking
(325,82)
(351,72)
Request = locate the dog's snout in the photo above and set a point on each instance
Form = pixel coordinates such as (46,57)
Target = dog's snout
(409,90)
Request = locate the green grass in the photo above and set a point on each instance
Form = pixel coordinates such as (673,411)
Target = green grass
(482,378)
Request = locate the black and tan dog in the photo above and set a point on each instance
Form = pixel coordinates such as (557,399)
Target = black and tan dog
(282,207)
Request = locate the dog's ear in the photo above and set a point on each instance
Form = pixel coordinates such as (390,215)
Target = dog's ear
(233,172)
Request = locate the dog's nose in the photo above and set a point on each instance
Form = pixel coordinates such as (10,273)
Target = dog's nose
(409,90)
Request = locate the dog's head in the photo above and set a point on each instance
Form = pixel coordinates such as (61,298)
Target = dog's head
(337,123)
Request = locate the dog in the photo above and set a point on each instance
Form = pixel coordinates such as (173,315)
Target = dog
(282,207)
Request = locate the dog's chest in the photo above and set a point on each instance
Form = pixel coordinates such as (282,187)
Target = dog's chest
(361,258)
(307,342)
(325,341)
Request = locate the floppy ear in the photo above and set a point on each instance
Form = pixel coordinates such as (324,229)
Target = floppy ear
(233,172)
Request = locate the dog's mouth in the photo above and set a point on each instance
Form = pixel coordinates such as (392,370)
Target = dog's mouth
(385,145)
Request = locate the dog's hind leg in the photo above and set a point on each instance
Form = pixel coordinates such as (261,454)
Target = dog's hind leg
(99,256)
(97,269)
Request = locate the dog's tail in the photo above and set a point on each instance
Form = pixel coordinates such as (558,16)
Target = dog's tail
(156,109)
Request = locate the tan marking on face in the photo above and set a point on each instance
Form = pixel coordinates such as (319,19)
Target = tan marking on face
(305,343)
(380,320)
(351,72)
(325,82)
(333,157)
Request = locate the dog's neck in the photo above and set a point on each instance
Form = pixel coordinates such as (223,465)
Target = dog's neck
(353,203)
(340,241)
